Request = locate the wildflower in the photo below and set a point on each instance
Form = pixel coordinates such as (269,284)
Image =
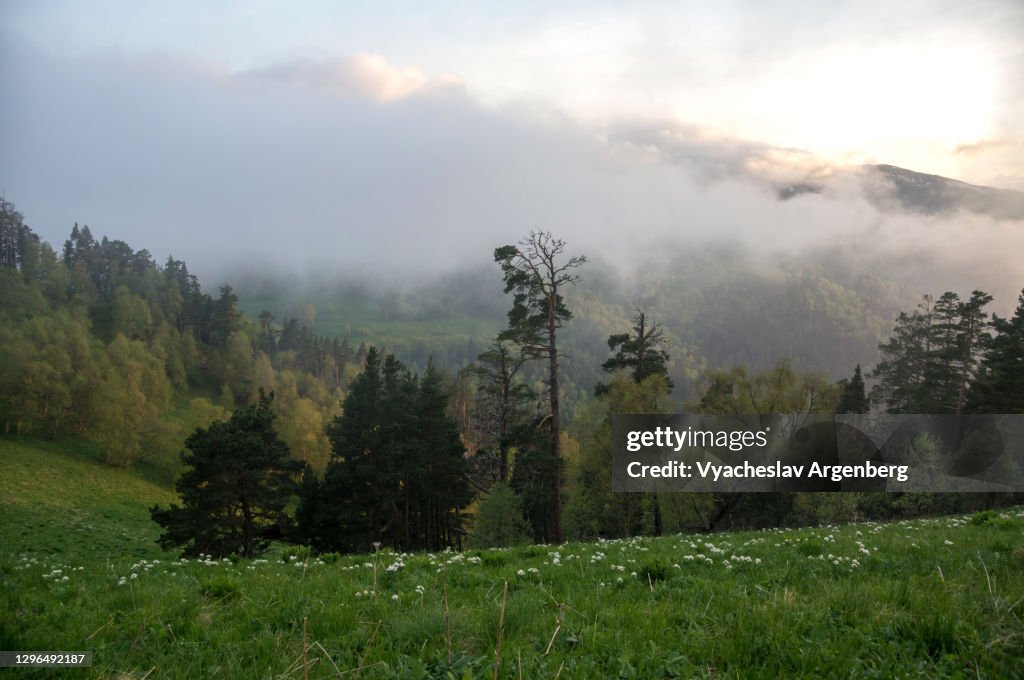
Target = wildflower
(394,598)
(520,573)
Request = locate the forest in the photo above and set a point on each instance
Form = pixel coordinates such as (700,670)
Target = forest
(466,415)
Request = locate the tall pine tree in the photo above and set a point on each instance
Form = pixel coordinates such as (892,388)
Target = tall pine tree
(536,273)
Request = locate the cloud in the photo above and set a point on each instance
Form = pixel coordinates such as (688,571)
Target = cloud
(354,165)
(714,157)
(363,74)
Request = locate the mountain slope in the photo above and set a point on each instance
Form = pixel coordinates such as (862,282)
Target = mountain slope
(932,194)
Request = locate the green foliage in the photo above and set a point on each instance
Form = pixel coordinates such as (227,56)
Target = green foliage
(639,353)
(502,411)
(103,344)
(852,397)
(536,274)
(240,480)
(220,588)
(932,356)
(397,471)
(499,520)
(593,511)
(999,387)
(995,518)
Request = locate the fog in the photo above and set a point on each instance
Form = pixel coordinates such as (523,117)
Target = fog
(354,166)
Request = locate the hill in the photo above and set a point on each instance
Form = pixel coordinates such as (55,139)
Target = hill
(891,187)
(931,194)
(59,500)
(81,572)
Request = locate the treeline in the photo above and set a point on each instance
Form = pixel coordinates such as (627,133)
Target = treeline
(100,342)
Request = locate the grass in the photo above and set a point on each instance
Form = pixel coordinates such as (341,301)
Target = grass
(362,321)
(940,597)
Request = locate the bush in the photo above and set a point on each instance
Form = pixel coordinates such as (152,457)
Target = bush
(499,520)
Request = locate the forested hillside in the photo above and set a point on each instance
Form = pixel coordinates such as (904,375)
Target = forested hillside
(100,342)
(824,314)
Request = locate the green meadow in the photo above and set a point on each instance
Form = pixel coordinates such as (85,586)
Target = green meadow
(935,597)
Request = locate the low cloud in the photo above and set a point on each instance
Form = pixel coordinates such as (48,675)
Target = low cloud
(363,74)
(356,165)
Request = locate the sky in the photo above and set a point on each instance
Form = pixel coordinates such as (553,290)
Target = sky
(397,132)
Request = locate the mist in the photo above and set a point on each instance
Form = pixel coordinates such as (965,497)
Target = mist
(353,167)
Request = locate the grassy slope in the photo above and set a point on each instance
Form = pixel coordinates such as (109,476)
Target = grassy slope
(929,598)
(361,322)
(59,500)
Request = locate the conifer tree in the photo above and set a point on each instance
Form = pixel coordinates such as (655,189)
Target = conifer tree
(397,474)
(639,352)
(852,397)
(999,387)
(352,496)
(502,409)
(536,274)
(240,480)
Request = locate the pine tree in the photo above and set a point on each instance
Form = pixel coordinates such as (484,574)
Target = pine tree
(852,397)
(502,408)
(932,356)
(240,480)
(397,474)
(534,273)
(971,338)
(999,387)
(440,465)
(499,520)
(639,352)
(352,496)
(903,371)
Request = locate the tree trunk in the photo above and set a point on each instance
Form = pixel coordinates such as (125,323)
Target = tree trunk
(556,429)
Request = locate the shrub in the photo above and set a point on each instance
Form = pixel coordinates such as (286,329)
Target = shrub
(499,520)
